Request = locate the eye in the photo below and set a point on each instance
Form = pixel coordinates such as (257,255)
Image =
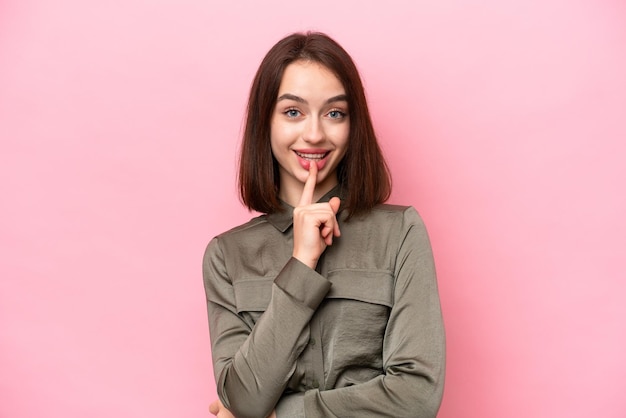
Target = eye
(336,114)
(292,113)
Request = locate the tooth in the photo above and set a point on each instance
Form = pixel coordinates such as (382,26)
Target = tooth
(311,156)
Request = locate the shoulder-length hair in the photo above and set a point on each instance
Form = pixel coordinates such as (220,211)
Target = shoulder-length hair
(362,173)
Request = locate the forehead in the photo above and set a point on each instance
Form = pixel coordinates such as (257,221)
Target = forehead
(308,77)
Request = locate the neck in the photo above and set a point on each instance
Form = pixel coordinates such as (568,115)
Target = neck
(291,194)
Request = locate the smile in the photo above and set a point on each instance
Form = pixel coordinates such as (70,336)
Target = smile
(307,156)
(312,156)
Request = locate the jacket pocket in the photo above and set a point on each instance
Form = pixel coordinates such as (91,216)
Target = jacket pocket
(372,286)
(253,294)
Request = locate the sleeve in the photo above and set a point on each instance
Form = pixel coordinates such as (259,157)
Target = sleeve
(252,363)
(413,348)
(291,406)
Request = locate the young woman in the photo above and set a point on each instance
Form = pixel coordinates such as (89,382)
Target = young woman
(326,305)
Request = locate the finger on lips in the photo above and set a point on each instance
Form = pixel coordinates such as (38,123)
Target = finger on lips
(328,228)
(309,185)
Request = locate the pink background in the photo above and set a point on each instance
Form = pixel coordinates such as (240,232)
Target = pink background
(503,123)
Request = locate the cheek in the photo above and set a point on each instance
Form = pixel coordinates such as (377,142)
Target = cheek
(276,137)
(342,136)
(282,134)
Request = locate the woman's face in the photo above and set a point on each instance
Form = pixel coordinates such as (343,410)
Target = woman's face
(310,123)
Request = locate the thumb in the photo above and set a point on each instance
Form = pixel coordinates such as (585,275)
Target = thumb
(334,204)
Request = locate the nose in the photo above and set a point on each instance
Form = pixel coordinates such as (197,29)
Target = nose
(313,131)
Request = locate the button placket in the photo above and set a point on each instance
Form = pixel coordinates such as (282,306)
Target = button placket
(317,356)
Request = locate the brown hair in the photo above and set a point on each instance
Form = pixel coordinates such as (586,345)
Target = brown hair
(363,173)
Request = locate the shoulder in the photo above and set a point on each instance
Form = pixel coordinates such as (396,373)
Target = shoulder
(251,226)
(406,214)
(388,208)
(385,220)
(397,218)
(243,234)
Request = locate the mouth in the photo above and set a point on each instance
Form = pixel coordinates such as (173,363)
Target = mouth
(306,157)
(312,156)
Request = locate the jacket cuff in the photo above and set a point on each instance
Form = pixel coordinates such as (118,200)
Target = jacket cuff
(303,283)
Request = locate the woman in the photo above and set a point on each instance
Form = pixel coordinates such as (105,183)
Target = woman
(326,305)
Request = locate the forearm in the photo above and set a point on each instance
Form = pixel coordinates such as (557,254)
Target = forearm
(399,395)
(291,406)
(253,367)
(251,382)
(394,395)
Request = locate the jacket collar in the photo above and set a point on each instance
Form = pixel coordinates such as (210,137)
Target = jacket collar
(282,220)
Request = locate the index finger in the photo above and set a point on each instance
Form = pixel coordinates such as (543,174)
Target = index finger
(309,185)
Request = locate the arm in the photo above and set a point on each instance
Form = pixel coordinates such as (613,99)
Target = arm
(253,363)
(414,346)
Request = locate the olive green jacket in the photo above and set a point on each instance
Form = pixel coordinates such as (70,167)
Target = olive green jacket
(360,336)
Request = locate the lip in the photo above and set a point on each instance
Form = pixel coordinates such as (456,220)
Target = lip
(306,162)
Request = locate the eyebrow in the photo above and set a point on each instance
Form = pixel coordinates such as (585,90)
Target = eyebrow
(289,96)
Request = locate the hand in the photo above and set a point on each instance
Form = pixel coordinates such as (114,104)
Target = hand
(218,409)
(314,224)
